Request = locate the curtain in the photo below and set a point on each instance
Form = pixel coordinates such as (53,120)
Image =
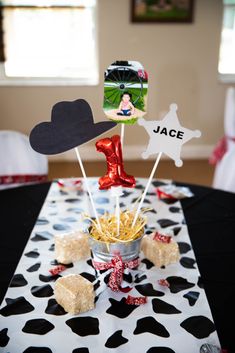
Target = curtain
(2,57)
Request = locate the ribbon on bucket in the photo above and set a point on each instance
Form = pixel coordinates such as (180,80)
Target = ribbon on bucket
(117,267)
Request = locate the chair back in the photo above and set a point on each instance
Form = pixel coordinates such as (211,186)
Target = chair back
(19,163)
(224,175)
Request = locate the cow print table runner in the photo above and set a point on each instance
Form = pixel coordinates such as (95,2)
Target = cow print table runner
(175,319)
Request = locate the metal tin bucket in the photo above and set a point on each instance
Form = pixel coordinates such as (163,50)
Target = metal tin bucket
(106,251)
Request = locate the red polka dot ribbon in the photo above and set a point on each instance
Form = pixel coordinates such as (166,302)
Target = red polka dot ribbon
(117,266)
(136,300)
(56,270)
(162,238)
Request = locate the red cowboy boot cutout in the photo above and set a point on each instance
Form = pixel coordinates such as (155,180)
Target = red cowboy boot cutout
(111,148)
(129,179)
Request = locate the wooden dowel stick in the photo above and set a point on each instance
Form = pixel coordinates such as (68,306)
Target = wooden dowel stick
(87,186)
(146,188)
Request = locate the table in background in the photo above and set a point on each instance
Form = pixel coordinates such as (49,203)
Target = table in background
(210,216)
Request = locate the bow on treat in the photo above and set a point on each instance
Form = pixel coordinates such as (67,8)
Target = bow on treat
(117,266)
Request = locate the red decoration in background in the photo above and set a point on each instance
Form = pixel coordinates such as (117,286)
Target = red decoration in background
(220,149)
(162,238)
(115,176)
(163,195)
(71,184)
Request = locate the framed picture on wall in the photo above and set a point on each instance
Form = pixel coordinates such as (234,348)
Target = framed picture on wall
(162,11)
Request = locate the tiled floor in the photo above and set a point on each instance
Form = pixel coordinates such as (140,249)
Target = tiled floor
(192,171)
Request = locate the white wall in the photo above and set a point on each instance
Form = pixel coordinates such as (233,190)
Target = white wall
(181,60)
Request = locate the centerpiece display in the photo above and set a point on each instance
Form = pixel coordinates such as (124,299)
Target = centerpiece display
(115,238)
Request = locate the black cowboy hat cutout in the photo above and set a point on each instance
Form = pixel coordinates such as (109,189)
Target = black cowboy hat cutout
(71,125)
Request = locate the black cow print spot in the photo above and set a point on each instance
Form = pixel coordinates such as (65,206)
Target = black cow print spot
(136,199)
(40,236)
(200,283)
(96,298)
(151,194)
(62,192)
(68,219)
(84,326)
(52,247)
(148,263)
(187,262)
(89,262)
(34,268)
(96,285)
(49,278)
(139,187)
(158,183)
(125,193)
(148,290)
(16,306)
(164,222)
(38,350)
(120,308)
(61,227)
(169,201)
(53,308)
(199,326)
(183,247)
(116,340)
(160,350)
(18,280)
(74,200)
(174,209)
(149,324)
(102,200)
(122,204)
(34,254)
(75,210)
(127,277)
(42,291)
(88,276)
(192,297)
(38,326)
(178,284)
(4,339)
(55,263)
(153,211)
(176,230)
(81,350)
(139,278)
(162,307)
(41,221)
(149,231)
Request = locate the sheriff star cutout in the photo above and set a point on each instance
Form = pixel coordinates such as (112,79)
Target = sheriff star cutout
(167,135)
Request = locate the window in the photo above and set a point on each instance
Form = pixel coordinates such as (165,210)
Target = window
(227,45)
(54,42)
